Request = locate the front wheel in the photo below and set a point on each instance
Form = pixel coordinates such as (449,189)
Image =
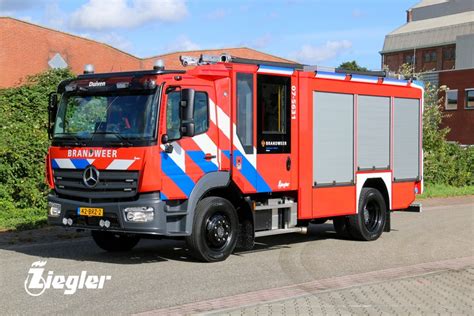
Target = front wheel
(215,230)
(369,222)
(112,242)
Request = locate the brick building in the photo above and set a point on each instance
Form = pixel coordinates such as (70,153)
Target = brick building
(438,40)
(27,49)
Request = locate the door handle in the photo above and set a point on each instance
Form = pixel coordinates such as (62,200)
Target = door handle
(288,163)
(209,156)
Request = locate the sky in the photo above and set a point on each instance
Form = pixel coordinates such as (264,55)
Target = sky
(316,32)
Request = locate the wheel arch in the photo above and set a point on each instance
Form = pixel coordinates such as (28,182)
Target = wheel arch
(381,181)
(217,184)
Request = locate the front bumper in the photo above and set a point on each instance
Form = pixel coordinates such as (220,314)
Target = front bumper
(164,223)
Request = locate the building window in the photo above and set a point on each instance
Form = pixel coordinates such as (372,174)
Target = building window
(470,98)
(427,57)
(449,53)
(57,62)
(409,59)
(451,102)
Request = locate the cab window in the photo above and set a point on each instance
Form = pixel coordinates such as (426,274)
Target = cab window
(273,114)
(201,114)
(172,115)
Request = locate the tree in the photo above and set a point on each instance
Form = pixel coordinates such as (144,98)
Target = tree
(352,66)
(444,162)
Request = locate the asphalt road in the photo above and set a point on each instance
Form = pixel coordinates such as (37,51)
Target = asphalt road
(159,273)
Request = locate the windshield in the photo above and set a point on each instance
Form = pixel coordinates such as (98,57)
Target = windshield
(112,116)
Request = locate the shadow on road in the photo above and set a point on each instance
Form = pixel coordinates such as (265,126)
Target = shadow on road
(151,250)
(315,232)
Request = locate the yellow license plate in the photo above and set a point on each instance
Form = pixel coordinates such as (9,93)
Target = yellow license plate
(90,211)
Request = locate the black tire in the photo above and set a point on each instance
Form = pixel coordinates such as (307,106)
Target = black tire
(113,242)
(341,226)
(369,222)
(215,230)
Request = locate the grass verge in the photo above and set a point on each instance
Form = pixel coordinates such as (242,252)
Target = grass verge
(443,190)
(22,219)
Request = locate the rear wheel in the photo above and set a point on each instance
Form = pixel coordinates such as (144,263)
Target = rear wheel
(369,222)
(215,230)
(114,241)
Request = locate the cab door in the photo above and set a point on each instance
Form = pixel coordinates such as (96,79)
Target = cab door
(276,131)
(184,160)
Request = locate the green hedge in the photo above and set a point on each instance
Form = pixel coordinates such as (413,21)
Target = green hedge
(23,146)
(444,163)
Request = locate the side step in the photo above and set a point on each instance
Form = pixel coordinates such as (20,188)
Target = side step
(301,230)
(414,208)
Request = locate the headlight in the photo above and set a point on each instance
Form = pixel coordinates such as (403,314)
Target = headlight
(54,209)
(139,214)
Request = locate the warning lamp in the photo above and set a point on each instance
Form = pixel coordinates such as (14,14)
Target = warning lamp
(89,69)
(159,65)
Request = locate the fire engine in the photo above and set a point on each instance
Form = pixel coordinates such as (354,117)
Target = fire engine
(230,150)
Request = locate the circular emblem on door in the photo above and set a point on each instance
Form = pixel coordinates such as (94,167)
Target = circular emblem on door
(90,177)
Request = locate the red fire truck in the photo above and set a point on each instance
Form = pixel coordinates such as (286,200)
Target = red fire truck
(231,150)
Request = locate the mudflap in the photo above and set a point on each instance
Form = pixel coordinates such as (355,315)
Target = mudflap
(388,224)
(246,239)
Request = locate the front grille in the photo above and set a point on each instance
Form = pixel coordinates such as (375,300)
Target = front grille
(112,184)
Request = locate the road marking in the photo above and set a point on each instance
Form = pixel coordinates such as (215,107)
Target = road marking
(313,287)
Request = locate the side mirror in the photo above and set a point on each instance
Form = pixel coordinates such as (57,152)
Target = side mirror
(187,129)
(187,112)
(165,139)
(52,111)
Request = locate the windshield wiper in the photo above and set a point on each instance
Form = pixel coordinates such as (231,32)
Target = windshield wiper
(124,140)
(77,140)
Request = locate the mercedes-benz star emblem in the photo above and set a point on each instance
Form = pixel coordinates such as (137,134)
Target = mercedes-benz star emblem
(90,177)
